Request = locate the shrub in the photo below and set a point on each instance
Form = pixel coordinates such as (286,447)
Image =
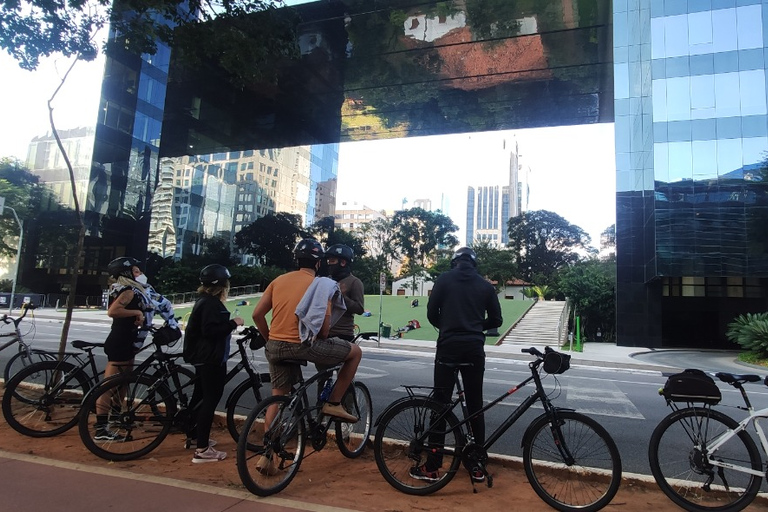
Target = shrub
(750,331)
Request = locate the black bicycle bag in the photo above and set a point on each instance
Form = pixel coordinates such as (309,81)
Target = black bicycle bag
(692,386)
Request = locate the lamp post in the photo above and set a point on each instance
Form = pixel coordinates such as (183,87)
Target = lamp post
(18,249)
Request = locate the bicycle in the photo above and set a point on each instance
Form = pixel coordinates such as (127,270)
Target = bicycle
(44,399)
(297,422)
(26,355)
(145,406)
(570,460)
(701,458)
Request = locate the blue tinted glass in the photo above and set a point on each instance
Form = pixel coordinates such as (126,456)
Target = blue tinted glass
(749,20)
(680,161)
(678,99)
(702,96)
(728,156)
(752,92)
(702,64)
(659,88)
(728,127)
(754,149)
(703,129)
(727,101)
(724,30)
(754,126)
(726,62)
(704,159)
(676,36)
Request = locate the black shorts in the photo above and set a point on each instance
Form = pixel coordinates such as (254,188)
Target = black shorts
(119,348)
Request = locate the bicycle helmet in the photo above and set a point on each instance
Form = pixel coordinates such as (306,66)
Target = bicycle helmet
(464,254)
(309,249)
(122,266)
(341,251)
(214,274)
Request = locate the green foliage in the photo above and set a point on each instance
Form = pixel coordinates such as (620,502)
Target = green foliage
(272,238)
(543,242)
(496,264)
(367,269)
(590,286)
(418,233)
(750,331)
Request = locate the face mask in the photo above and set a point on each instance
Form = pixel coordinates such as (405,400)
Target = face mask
(141,279)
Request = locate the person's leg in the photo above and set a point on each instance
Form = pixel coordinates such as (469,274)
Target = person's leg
(472,378)
(212,379)
(194,407)
(443,383)
(346,373)
(105,401)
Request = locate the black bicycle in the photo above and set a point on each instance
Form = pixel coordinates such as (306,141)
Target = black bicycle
(44,399)
(570,459)
(144,405)
(268,457)
(26,355)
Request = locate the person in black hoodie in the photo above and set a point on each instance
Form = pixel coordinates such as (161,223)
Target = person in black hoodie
(206,346)
(462,306)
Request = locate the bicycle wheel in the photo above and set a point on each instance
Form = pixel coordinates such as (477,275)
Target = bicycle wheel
(269,458)
(240,403)
(24,358)
(587,484)
(141,413)
(43,399)
(352,437)
(401,443)
(679,456)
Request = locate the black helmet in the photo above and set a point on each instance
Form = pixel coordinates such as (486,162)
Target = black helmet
(309,249)
(214,274)
(341,251)
(464,254)
(122,266)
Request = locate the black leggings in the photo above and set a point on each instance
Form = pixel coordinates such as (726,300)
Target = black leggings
(472,380)
(209,387)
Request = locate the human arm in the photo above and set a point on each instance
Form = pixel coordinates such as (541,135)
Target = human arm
(118,307)
(493,317)
(326,327)
(259,314)
(354,297)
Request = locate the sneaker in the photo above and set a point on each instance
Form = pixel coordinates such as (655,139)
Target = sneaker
(477,475)
(421,473)
(338,412)
(208,455)
(266,466)
(189,443)
(104,434)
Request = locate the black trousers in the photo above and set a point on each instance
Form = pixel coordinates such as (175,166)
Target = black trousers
(209,387)
(472,380)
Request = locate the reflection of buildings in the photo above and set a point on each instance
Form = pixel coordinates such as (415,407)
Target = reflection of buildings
(424,204)
(490,207)
(690,110)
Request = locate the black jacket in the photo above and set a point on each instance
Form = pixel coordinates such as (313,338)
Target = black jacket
(463,305)
(206,337)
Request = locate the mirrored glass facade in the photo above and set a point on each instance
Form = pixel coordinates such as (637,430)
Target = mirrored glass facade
(691,141)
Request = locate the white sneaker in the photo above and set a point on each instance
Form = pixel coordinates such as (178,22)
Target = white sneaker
(208,455)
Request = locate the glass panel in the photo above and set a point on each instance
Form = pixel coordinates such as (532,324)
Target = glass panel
(679,99)
(728,156)
(724,30)
(680,161)
(727,102)
(659,88)
(750,27)
(752,92)
(700,32)
(702,97)
(704,159)
(676,36)
(657,38)
(754,150)
(661,162)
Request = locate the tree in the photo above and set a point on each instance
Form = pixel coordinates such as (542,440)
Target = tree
(590,286)
(272,238)
(21,191)
(608,241)
(543,242)
(495,264)
(378,238)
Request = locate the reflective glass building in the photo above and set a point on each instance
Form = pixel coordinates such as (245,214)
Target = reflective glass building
(691,139)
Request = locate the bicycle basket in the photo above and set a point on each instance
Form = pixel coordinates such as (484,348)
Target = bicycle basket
(691,386)
(166,335)
(556,362)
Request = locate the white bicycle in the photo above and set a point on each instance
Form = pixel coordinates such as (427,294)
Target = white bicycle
(702,459)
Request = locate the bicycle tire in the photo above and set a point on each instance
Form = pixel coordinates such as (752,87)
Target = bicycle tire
(680,472)
(397,450)
(22,359)
(352,438)
(587,485)
(43,399)
(141,418)
(284,444)
(240,403)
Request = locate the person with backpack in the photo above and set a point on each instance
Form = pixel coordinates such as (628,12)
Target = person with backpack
(206,346)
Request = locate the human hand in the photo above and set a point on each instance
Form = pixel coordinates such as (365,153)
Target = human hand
(238,321)
(139,320)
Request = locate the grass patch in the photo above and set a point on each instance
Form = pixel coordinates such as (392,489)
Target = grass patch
(752,358)
(395,311)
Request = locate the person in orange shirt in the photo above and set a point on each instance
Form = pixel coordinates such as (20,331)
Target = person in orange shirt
(282,296)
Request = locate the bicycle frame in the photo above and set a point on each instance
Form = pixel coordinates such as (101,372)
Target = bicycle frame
(16,335)
(464,424)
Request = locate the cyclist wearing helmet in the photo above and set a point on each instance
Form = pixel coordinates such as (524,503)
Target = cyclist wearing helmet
(339,262)
(132,304)
(462,306)
(282,297)
(206,346)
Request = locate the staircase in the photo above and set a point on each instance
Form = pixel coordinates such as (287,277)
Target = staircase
(539,326)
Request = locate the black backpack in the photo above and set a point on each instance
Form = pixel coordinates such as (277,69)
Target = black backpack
(691,386)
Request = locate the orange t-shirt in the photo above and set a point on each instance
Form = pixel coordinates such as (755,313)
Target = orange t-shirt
(286,293)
